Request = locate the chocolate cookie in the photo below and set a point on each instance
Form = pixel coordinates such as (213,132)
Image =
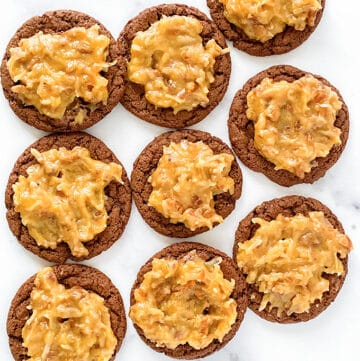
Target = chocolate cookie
(281,43)
(69,275)
(56,22)
(289,206)
(228,267)
(241,130)
(134,97)
(117,204)
(147,162)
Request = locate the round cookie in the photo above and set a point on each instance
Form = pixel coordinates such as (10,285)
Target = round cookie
(147,162)
(229,269)
(281,43)
(241,130)
(134,96)
(117,204)
(69,275)
(289,206)
(56,22)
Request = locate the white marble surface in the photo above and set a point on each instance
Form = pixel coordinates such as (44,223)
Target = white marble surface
(333,52)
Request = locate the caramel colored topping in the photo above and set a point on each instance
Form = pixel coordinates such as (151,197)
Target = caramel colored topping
(287,257)
(66,323)
(51,70)
(294,122)
(172,63)
(262,20)
(186,179)
(184,300)
(62,198)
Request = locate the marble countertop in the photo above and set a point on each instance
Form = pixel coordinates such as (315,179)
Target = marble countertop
(333,52)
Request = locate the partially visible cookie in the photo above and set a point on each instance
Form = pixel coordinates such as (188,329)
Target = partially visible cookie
(281,43)
(117,204)
(147,162)
(134,96)
(289,206)
(57,22)
(241,130)
(229,270)
(69,275)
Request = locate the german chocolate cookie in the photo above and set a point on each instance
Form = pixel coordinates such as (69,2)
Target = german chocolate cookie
(289,206)
(117,203)
(239,294)
(134,96)
(241,130)
(281,43)
(147,162)
(69,275)
(53,22)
